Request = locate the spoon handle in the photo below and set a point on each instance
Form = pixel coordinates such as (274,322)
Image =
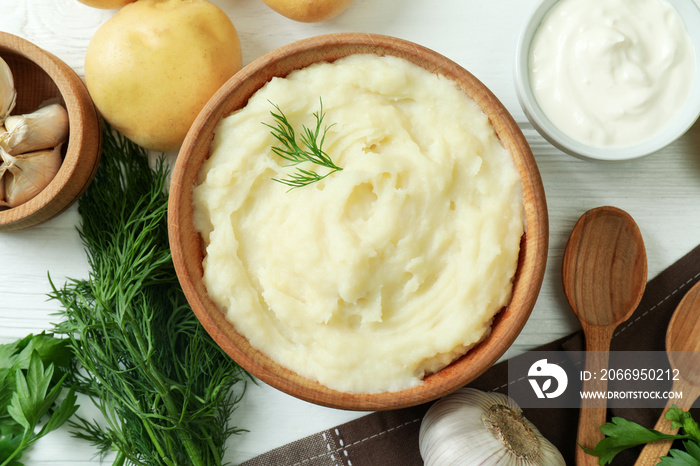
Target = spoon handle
(593,411)
(653,451)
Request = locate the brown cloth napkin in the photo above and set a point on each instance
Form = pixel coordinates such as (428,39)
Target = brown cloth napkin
(388,438)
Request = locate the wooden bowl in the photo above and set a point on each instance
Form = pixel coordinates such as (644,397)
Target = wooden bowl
(186,244)
(39,76)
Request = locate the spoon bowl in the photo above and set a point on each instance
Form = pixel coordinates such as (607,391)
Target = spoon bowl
(683,348)
(604,274)
(605,267)
(683,335)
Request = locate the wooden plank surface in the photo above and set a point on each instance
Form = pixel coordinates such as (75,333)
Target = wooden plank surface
(661,191)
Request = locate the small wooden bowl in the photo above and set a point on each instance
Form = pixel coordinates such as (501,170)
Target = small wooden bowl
(40,76)
(186,244)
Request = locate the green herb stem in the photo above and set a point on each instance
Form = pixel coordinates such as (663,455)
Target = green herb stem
(309,150)
(119,460)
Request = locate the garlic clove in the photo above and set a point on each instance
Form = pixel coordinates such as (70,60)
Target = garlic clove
(8,94)
(475,427)
(3,135)
(3,168)
(42,129)
(26,175)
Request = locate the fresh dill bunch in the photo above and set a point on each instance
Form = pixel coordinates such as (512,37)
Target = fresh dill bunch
(310,148)
(165,388)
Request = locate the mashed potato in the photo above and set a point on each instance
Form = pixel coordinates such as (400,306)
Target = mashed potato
(380,273)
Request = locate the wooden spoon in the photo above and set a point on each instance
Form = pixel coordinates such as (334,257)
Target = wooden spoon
(604,272)
(683,348)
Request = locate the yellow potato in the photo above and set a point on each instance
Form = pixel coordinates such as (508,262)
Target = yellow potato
(308,11)
(151,68)
(106,4)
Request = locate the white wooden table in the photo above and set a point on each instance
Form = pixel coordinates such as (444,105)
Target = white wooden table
(661,191)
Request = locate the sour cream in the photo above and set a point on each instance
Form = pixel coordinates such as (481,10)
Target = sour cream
(612,73)
(384,271)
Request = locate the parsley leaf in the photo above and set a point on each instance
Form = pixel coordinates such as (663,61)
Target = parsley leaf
(29,389)
(683,419)
(690,457)
(622,434)
(9,445)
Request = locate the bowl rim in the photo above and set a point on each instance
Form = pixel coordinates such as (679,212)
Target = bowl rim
(186,244)
(687,116)
(85,137)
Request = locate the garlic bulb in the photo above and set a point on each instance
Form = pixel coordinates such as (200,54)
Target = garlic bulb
(26,175)
(471,427)
(8,94)
(42,129)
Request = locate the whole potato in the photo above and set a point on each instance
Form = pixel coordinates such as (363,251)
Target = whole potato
(106,4)
(152,67)
(308,11)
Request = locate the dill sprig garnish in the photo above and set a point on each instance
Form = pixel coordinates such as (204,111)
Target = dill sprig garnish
(161,382)
(310,150)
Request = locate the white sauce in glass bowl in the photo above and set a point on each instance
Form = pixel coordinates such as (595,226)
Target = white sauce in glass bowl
(611,73)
